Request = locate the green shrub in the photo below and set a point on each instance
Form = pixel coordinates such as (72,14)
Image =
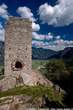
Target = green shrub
(35,92)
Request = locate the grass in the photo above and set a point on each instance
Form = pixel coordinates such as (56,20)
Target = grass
(37,63)
(34,92)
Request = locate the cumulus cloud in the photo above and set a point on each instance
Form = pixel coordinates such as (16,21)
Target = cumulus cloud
(37,43)
(56,45)
(3,11)
(37,36)
(50,41)
(35,27)
(60,14)
(26,12)
(4,15)
(64,42)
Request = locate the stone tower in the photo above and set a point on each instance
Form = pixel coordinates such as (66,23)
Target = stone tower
(18,38)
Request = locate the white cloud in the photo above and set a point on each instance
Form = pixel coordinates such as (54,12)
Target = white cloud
(26,12)
(59,42)
(50,36)
(4,6)
(3,11)
(58,15)
(46,45)
(38,43)
(46,12)
(57,45)
(65,43)
(35,27)
(37,36)
(4,15)
(58,37)
(52,42)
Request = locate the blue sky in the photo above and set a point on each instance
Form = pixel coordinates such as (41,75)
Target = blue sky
(52,20)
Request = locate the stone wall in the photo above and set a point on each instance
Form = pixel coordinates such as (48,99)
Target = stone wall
(18,37)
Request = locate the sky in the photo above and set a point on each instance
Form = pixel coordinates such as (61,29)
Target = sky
(52,21)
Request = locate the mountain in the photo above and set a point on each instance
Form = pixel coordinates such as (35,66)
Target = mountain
(67,53)
(41,53)
(37,53)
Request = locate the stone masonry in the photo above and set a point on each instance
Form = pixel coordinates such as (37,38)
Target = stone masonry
(18,56)
(18,38)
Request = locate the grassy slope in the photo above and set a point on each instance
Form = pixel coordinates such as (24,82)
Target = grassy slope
(37,63)
(35,92)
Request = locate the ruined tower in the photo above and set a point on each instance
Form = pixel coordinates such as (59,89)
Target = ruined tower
(18,52)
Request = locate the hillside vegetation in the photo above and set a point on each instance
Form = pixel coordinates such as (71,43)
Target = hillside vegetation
(53,97)
(60,72)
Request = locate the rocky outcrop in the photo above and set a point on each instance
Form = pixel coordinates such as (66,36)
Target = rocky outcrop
(37,78)
(19,103)
(7,82)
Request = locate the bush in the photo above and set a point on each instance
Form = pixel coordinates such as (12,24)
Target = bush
(55,69)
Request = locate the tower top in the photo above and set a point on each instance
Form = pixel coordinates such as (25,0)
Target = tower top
(18,21)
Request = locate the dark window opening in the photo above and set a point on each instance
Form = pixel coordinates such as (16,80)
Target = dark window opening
(18,65)
(25,56)
(26,47)
(9,48)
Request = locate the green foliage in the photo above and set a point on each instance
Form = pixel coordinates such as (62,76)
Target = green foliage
(37,63)
(35,92)
(54,69)
(60,72)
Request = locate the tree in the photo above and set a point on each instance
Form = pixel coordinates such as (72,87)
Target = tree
(55,69)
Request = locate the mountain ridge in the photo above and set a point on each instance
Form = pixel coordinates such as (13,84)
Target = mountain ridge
(42,53)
